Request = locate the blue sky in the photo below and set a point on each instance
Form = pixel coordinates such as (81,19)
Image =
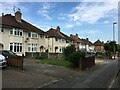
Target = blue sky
(91,20)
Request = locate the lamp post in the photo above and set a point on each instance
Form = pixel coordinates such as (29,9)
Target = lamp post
(114,37)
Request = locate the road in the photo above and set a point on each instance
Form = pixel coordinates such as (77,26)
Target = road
(49,76)
(99,77)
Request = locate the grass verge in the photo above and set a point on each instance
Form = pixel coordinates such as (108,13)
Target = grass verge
(56,62)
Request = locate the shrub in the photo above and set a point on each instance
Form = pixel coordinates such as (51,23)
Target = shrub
(68,50)
(75,57)
(42,56)
(100,54)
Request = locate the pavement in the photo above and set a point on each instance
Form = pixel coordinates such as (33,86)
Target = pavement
(38,76)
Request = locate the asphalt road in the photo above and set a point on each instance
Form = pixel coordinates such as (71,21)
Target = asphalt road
(99,76)
(49,76)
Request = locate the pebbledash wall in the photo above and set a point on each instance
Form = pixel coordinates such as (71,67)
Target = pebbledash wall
(21,44)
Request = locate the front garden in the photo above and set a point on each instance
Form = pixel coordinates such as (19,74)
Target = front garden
(72,59)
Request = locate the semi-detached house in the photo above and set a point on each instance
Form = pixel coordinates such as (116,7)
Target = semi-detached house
(57,41)
(20,36)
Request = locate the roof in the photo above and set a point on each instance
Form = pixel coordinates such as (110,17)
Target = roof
(86,41)
(98,43)
(9,20)
(76,39)
(54,33)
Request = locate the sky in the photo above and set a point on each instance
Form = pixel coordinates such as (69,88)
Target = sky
(88,18)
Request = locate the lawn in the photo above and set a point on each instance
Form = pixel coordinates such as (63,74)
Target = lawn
(56,62)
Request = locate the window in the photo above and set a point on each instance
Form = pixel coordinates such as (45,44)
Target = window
(32,47)
(62,40)
(32,35)
(16,47)
(16,32)
(41,36)
(56,39)
(1,29)
(11,31)
(67,41)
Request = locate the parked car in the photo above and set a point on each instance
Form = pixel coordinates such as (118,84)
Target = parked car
(7,53)
(2,61)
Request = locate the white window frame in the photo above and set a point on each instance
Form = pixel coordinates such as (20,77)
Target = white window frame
(18,31)
(32,47)
(16,47)
(32,34)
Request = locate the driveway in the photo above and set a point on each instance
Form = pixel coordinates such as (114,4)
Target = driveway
(48,76)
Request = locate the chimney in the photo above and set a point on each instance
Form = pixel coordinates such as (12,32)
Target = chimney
(71,35)
(2,14)
(58,29)
(76,35)
(18,15)
(87,39)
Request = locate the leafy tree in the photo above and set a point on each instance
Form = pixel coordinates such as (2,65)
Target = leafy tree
(118,47)
(110,47)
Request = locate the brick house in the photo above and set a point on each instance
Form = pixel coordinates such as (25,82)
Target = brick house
(99,46)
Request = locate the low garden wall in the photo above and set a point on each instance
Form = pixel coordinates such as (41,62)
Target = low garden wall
(49,55)
(87,62)
(55,56)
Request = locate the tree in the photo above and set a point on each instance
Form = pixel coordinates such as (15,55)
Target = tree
(110,47)
(118,49)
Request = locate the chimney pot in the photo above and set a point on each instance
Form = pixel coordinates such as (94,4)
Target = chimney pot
(58,29)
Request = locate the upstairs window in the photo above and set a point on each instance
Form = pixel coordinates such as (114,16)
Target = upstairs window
(16,32)
(67,41)
(41,36)
(32,35)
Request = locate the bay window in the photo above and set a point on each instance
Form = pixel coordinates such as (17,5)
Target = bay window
(16,47)
(32,47)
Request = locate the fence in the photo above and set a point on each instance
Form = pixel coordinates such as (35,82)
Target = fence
(16,61)
(86,62)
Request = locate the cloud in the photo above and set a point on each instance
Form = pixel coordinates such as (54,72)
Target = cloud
(61,18)
(106,22)
(44,10)
(92,12)
(68,26)
(7,7)
(90,32)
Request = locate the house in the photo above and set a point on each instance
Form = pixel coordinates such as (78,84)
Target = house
(19,35)
(87,45)
(82,44)
(57,41)
(77,42)
(99,46)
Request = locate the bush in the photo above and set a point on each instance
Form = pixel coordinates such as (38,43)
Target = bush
(42,56)
(68,50)
(100,54)
(75,57)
